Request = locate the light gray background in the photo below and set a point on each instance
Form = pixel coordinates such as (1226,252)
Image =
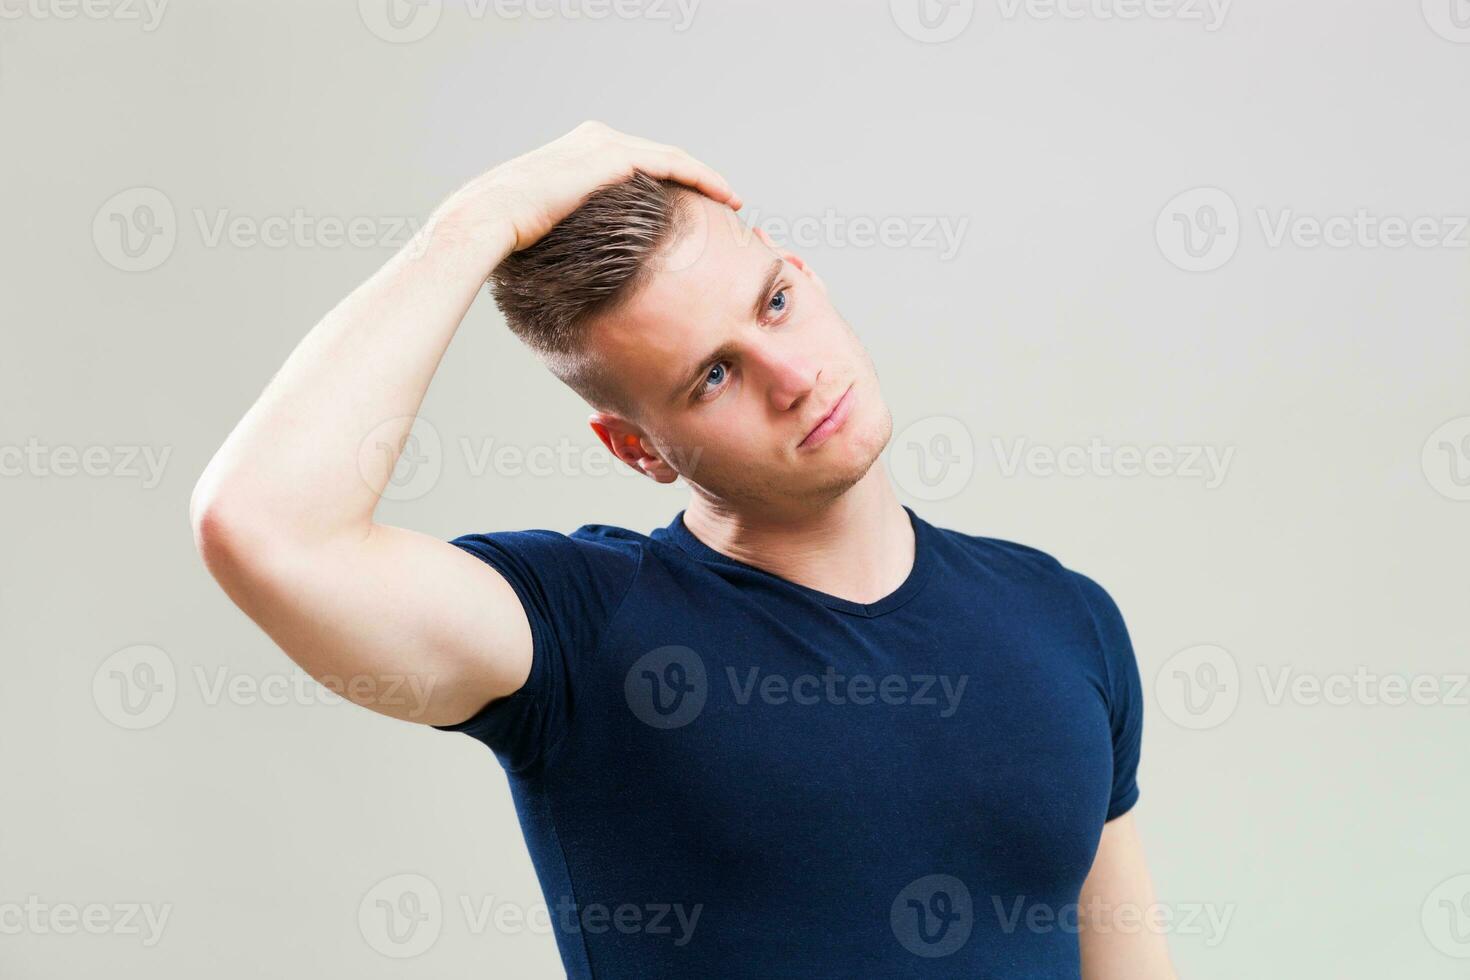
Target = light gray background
(1332,835)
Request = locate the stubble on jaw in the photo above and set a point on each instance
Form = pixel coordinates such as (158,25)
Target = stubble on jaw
(762,492)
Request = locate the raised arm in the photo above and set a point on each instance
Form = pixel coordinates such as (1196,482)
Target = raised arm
(398,621)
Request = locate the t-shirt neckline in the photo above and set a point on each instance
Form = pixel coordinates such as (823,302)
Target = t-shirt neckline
(918,574)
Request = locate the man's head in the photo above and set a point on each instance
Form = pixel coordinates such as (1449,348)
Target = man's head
(707,352)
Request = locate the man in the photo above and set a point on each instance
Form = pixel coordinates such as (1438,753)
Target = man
(798,732)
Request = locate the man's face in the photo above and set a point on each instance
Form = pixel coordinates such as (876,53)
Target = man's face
(732,353)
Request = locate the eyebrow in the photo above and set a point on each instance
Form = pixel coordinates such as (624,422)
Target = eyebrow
(725,350)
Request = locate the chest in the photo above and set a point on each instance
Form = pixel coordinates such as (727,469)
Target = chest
(965,735)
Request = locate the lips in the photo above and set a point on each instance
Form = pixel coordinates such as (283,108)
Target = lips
(829,422)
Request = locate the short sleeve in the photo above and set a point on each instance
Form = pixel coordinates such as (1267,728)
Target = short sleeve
(570,587)
(1124,693)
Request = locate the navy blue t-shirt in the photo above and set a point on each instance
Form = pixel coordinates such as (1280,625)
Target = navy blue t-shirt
(722,773)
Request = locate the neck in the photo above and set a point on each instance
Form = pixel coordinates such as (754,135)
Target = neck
(859,546)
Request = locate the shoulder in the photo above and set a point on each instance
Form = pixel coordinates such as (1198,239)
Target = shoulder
(604,539)
(1031,568)
(1003,557)
(601,555)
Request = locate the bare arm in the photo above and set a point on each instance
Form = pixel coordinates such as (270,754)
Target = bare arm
(283,514)
(1117,905)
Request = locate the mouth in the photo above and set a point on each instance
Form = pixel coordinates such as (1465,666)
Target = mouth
(829,423)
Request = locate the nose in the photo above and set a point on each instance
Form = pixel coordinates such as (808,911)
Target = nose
(790,374)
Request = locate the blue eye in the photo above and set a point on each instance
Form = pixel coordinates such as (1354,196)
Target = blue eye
(717,373)
(778,300)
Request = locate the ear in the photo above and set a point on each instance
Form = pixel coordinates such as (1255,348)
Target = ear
(791,258)
(624,441)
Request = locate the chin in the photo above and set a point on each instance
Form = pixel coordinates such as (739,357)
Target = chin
(854,456)
(868,440)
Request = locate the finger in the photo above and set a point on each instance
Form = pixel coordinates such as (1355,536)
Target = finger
(685,169)
(675,164)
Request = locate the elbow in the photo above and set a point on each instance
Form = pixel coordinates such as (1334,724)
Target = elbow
(218,524)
